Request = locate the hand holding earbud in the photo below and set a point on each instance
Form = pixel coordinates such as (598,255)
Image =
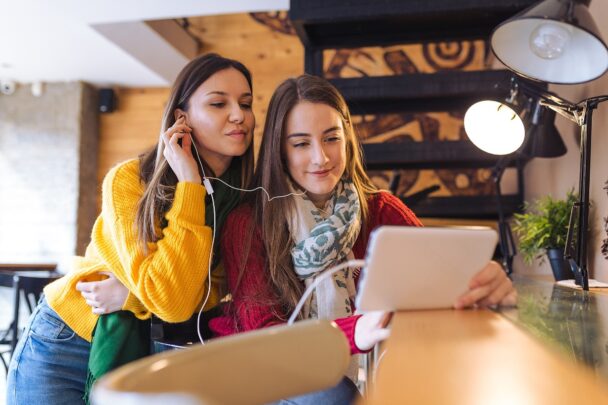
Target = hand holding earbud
(179,156)
(371,329)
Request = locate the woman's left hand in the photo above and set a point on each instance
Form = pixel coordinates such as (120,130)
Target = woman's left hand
(371,329)
(105,296)
(489,287)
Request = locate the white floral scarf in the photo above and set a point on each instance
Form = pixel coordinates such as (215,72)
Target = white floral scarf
(324,238)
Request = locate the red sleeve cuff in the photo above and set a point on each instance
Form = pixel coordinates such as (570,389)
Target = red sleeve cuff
(348,325)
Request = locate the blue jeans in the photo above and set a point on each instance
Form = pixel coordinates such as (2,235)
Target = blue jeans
(342,394)
(50,362)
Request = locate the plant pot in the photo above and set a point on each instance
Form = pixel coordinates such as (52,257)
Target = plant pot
(559,265)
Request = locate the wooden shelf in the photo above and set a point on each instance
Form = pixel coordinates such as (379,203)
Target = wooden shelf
(443,91)
(427,155)
(476,207)
(357,23)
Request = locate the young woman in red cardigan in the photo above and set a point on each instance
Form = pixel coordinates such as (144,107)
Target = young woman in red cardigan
(309,145)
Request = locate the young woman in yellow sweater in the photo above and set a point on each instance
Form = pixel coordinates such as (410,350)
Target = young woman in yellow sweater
(153,235)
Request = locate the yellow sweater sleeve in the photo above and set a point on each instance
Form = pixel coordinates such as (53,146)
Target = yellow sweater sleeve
(170,279)
(218,291)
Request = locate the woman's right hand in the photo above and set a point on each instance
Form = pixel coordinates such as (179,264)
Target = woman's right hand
(180,157)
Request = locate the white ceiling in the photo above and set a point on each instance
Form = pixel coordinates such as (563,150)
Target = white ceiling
(61,40)
(52,41)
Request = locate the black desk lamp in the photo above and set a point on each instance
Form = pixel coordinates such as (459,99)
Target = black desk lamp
(542,140)
(557,41)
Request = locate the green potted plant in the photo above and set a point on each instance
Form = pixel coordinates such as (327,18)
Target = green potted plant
(543,228)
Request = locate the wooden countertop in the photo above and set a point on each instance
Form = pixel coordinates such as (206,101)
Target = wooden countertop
(476,357)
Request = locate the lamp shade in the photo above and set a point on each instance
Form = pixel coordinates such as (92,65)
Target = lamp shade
(494,127)
(542,137)
(555,41)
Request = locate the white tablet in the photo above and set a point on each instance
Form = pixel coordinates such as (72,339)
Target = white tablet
(411,268)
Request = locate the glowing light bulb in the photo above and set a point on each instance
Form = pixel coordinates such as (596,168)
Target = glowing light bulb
(549,40)
(494,127)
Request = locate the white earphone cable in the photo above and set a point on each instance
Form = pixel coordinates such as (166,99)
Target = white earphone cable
(208,293)
(256,189)
(209,189)
(326,274)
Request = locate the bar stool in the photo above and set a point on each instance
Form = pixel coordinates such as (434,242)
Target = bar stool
(255,367)
(27,281)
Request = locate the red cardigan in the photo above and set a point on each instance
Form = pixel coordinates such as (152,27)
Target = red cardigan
(253,302)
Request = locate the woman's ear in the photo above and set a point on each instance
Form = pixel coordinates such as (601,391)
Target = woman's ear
(178,113)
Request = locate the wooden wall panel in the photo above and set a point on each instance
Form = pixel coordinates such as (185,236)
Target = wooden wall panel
(132,128)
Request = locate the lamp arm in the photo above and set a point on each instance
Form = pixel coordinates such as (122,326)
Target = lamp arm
(592,101)
(546,95)
(573,112)
(507,244)
(499,169)
(548,99)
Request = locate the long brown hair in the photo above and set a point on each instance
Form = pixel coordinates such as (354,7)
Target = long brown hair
(159,179)
(272,174)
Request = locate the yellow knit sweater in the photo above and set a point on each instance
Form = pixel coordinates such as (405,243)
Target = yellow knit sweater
(169,281)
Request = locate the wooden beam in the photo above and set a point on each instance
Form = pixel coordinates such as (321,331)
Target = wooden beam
(177,36)
(480,207)
(442,91)
(329,24)
(427,155)
(148,46)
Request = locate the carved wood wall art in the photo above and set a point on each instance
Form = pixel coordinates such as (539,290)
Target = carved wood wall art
(432,127)
(407,127)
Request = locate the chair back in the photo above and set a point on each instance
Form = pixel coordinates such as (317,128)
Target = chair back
(250,368)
